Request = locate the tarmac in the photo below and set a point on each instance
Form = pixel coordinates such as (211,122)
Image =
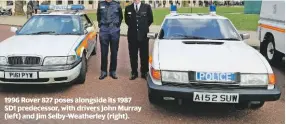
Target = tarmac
(20,20)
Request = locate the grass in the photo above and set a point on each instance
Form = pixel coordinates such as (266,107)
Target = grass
(240,20)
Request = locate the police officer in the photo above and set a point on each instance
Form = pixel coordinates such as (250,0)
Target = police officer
(138,17)
(109,17)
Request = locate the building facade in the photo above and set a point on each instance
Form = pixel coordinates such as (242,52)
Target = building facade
(92,4)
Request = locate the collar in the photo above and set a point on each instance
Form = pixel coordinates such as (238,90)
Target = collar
(139,4)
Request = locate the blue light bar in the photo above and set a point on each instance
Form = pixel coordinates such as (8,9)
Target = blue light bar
(77,7)
(44,8)
(212,9)
(173,9)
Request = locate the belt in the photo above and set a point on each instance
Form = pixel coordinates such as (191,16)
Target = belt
(110,25)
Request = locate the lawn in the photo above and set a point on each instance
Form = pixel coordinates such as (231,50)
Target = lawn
(235,14)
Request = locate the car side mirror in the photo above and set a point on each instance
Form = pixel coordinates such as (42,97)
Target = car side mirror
(87,25)
(14,29)
(245,36)
(88,30)
(152,35)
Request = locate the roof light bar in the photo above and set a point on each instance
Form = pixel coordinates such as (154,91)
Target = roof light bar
(212,9)
(44,8)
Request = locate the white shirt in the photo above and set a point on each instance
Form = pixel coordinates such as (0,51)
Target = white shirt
(138,6)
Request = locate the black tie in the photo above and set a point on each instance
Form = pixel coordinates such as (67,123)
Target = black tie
(136,8)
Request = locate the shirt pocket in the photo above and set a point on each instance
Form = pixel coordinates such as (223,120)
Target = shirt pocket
(143,14)
(103,10)
(129,14)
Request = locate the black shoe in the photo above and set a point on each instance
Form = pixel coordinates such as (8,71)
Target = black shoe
(133,76)
(113,75)
(103,75)
(144,75)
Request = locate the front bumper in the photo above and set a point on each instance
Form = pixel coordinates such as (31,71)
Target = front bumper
(187,92)
(45,75)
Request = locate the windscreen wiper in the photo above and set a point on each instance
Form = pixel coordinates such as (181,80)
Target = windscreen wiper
(70,34)
(42,32)
(188,37)
(227,39)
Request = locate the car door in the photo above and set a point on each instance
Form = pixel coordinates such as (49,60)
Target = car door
(91,36)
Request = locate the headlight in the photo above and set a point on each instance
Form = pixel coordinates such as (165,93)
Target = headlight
(71,59)
(179,77)
(60,60)
(3,60)
(254,79)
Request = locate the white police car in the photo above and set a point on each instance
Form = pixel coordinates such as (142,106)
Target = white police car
(204,58)
(51,47)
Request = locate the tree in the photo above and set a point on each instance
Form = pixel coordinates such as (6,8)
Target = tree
(19,8)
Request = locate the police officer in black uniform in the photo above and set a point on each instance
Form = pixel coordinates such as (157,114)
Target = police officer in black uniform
(109,17)
(138,17)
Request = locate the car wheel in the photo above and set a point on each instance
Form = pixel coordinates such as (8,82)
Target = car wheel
(269,51)
(94,49)
(154,99)
(81,77)
(257,105)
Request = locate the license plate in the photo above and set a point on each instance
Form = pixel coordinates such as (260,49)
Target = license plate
(21,75)
(216,97)
(215,77)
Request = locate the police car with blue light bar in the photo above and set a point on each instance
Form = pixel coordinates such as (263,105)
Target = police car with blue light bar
(204,58)
(51,47)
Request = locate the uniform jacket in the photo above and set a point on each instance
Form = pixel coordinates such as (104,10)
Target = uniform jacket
(145,19)
(109,13)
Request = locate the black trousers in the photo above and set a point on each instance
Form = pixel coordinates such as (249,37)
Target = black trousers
(143,48)
(107,38)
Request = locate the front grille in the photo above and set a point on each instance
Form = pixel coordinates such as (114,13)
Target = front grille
(208,86)
(24,60)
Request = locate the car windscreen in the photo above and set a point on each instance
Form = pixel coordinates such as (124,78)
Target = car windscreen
(216,29)
(53,25)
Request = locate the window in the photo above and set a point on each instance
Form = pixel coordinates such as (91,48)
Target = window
(59,2)
(85,21)
(52,24)
(70,2)
(46,2)
(150,2)
(80,2)
(198,28)
(143,1)
(90,2)
(9,3)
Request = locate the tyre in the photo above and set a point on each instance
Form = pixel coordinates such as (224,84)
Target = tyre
(81,77)
(269,51)
(154,99)
(256,105)
(94,49)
